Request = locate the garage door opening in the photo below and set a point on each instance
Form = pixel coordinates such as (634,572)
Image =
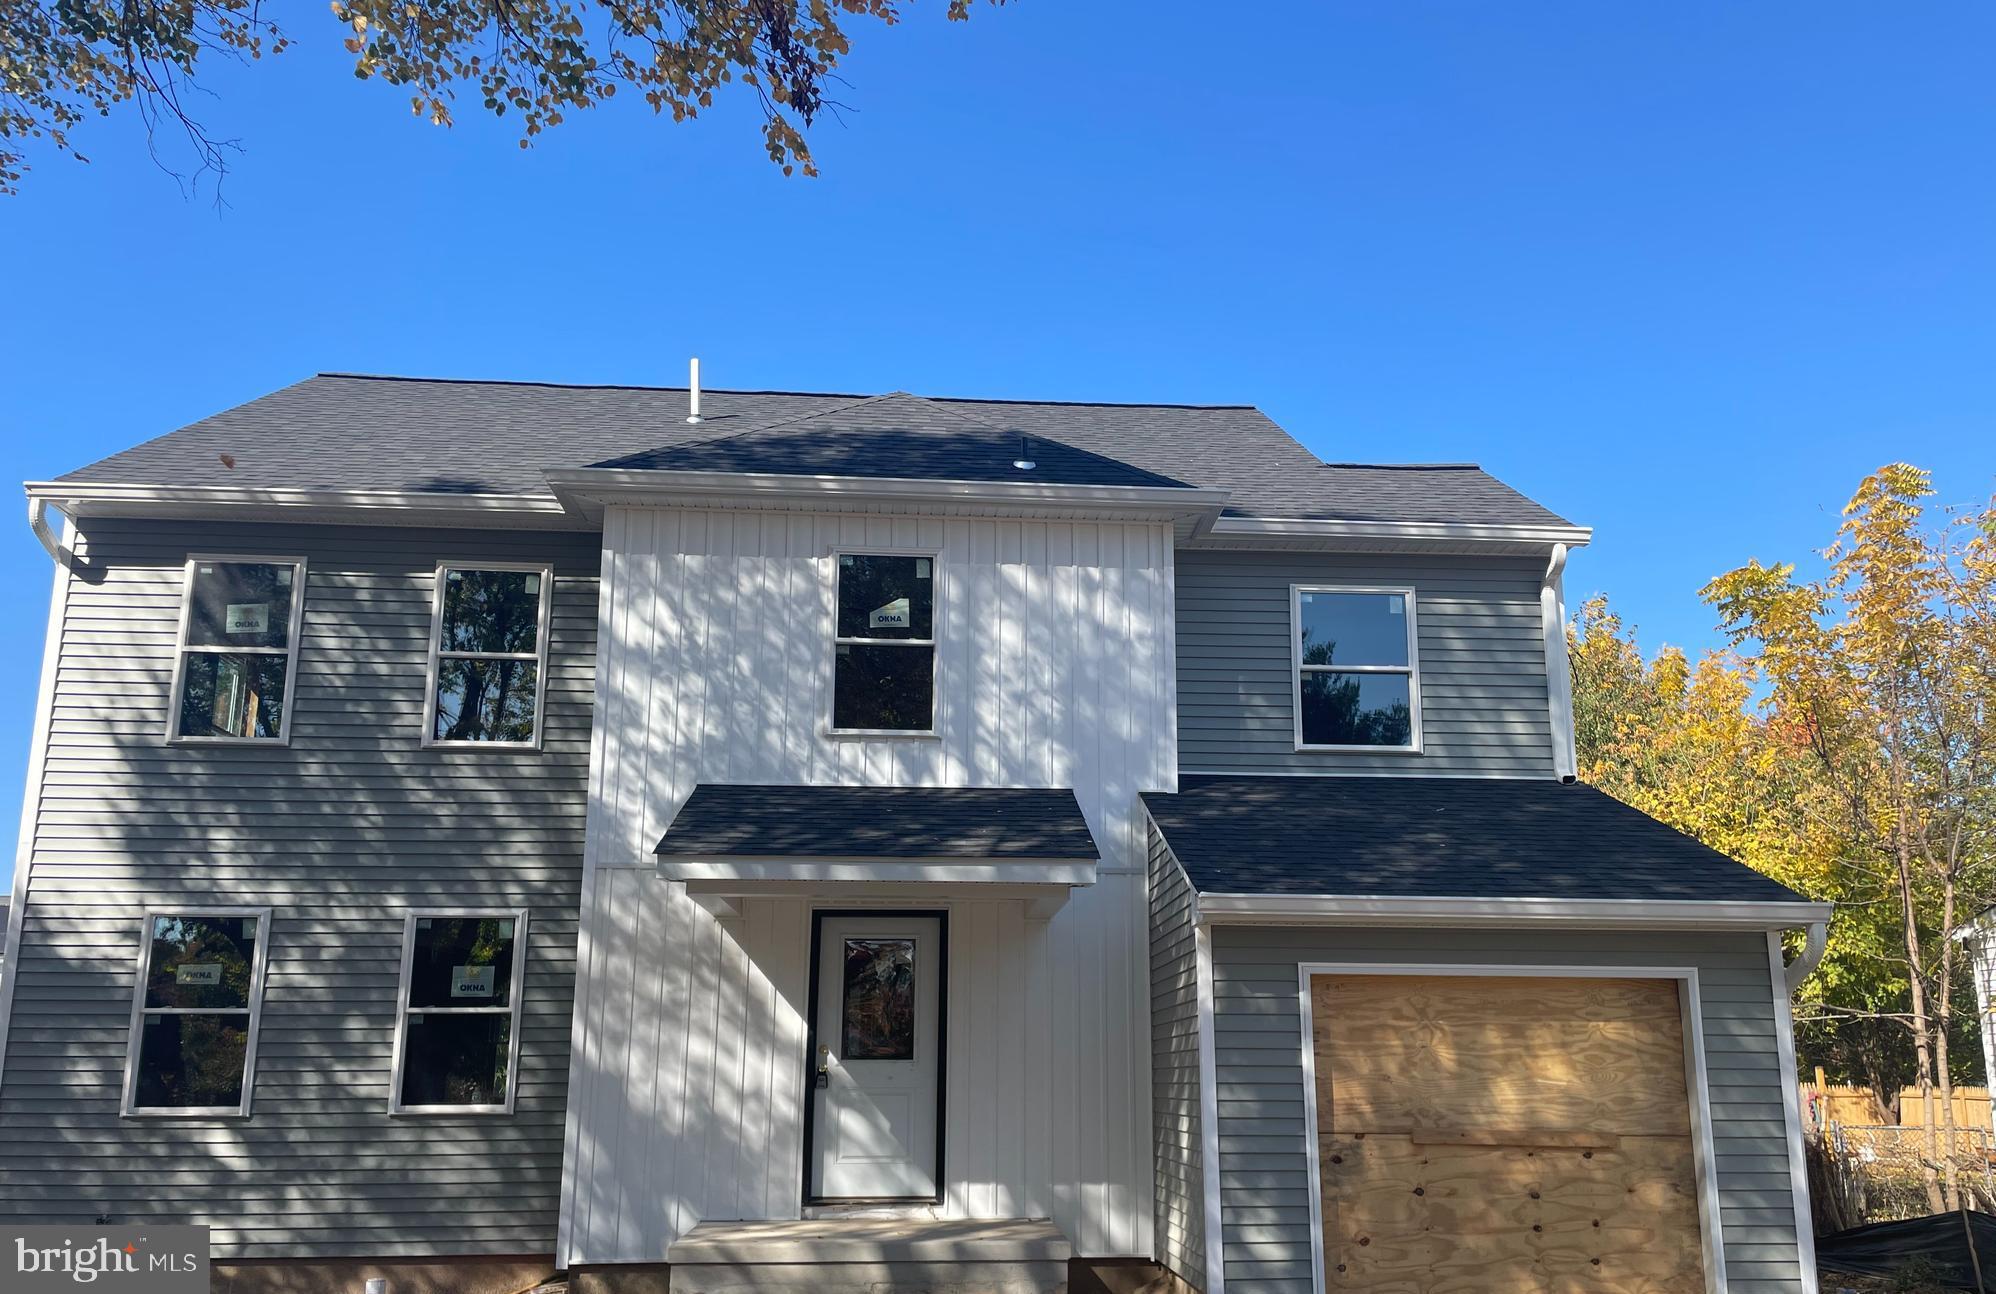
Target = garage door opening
(1512,1135)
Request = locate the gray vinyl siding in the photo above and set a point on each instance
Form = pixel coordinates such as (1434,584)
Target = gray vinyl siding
(1263,1170)
(1177,1193)
(1481,653)
(340,834)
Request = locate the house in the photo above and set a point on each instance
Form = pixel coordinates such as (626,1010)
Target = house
(793,841)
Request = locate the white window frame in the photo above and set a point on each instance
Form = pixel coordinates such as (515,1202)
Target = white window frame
(1412,669)
(129,1108)
(437,655)
(182,649)
(517,992)
(934,731)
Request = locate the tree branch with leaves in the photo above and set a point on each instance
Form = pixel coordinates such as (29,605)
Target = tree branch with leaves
(541,61)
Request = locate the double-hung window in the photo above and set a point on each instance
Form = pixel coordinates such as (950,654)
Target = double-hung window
(1357,676)
(195,1012)
(239,624)
(488,655)
(884,644)
(457,1032)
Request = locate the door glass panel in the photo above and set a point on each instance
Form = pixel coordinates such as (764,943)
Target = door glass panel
(877,1015)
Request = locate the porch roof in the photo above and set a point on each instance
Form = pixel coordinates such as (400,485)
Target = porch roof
(1441,838)
(737,841)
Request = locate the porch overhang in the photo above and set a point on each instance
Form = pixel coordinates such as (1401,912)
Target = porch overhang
(897,844)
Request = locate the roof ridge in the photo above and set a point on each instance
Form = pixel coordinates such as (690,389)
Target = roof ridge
(1411,467)
(747,390)
(784,421)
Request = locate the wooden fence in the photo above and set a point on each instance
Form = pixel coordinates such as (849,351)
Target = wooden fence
(1826,1103)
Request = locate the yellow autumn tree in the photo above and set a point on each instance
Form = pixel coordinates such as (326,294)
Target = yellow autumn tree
(1845,745)
(1885,665)
(1699,747)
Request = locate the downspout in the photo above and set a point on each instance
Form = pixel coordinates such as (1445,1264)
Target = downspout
(1815,939)
(39,523)
(1559,676)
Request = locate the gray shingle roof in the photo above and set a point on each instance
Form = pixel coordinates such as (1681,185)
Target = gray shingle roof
(887,436)
(339,431)
(721,820)
(1438,837)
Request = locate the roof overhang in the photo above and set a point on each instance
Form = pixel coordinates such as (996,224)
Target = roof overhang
(1591,914)
(589,490)
(720,882)
(1312,534)
(79,500)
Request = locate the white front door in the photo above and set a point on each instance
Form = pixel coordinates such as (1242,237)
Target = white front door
(879,1015)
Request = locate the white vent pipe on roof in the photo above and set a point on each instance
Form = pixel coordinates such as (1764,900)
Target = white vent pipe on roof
(693,391)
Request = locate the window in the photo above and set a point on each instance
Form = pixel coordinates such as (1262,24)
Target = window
(884,645)
(457,1036)
(877,1013)
(1357,679)
(195,1012)
(488,654)
(239,623)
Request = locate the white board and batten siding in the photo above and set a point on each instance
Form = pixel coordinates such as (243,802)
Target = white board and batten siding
(1481,648)
(339,833)
(1054,668)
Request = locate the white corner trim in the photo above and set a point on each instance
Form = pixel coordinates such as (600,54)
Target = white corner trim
(31,796)
(1213,1244)
(1640,914)
(1311,1145)
(1559,674)
(1691,1012)
(1791,1109)
(1450,531)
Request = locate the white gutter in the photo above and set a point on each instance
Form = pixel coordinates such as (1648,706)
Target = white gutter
(281,503)
(38,522)
(1456,531)
(1559,675)
(1633,914)
(1815,940)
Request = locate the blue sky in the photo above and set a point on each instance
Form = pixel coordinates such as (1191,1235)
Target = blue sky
(1683,272)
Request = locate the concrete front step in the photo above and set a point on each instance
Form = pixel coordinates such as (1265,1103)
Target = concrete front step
(870,1255)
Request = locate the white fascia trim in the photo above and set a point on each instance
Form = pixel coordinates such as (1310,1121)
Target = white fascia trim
(1651,914)
(365,507)
(602,486)
(899,871)
(1449,531)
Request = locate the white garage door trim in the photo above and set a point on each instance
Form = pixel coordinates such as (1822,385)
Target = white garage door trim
(1702,1152)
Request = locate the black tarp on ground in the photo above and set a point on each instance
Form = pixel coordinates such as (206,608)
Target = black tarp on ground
(1940,1238)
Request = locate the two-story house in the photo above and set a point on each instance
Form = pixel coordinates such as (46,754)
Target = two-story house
(798,841)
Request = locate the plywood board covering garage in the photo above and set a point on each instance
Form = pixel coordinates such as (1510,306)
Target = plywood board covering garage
(1504,1135)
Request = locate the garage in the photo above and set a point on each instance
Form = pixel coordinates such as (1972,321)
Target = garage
(1511,1133)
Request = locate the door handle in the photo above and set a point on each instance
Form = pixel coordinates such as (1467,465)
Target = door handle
(824,1067)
